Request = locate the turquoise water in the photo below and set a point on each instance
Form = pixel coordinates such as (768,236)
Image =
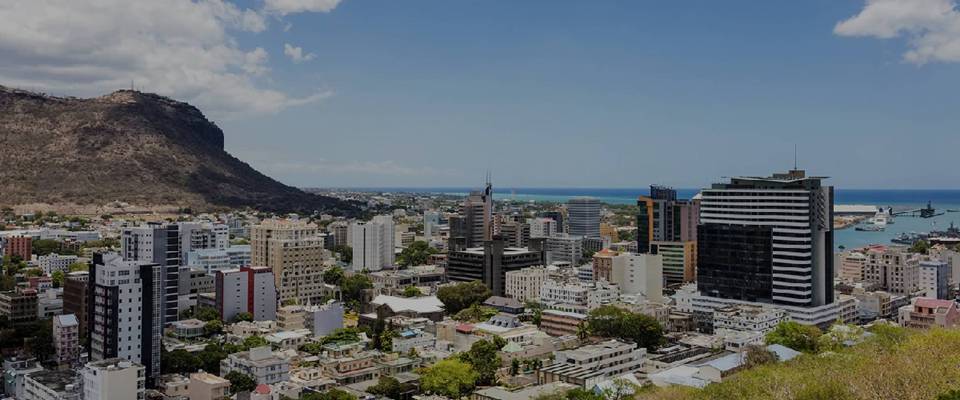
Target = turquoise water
(848,238)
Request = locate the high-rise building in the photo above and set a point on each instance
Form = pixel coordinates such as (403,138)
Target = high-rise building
(294,252)
(664,218)
(583,217)
(543,227)
(202,236)
(679,260)
(341,233)
(20,246)
(159,244)
(564,248)
(490,263)
(75,297)
(248,289)
(524,284)
(767,239)
(373,244)
(935,279)
(639,275)
(515,234)
(19,306)
(126,311)
(66,339)
(474,225)
(893,268)
(431,222)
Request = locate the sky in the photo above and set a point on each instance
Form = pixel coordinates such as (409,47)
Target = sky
(433,93)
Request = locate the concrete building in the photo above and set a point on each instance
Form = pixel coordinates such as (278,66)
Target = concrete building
(589,365)
(576,296)
(431,223)
(52,385)
(679,261)
(893,268)
(583,217)
(260,363)
(748,318)
(525,284)
(210,260)
(768,240)
(603,264)
(393,282)
(543,227)
(561,323)
(206,386)
(75,295)
(55,262)
(373,244)
(66,339)
(248,289)
(474,225)
(19,306)
(20,246)
(564,249)
(639,275)
(852,265)
(125,311)
(113,378)
(157,244)
(935,279)
(927,313)
(294,251)
(664,218)
(490,263)
(195,236)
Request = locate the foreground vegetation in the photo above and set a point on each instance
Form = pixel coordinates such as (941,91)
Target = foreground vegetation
(893,364)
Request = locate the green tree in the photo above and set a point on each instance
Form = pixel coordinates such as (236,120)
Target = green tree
(207,314)
(484,357)
(387,386)
(416,254)
(345,252)
(920,246)
(353,287)
(243,317)
(451,378)
(79,266)
(950,395)
(795,336)
(179,362)
(240,382)
(41,339)
(475,313)
(514,366)
(411,291)
(332,394)
(582,394)
(462,295)
(57,278)
(44,247)
(333,276)
(213,327)
(611,321)
(255,341)
(758,355)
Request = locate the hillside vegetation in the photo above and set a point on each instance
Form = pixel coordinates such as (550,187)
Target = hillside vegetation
(893,364)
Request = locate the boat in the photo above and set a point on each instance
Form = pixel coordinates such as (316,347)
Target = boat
(870,228)
(952,210)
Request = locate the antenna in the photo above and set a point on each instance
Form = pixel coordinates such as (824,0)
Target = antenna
(794,156)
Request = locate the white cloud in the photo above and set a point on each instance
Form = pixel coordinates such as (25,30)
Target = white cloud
(296,53)
(931,27)
(180,48)
(284,7)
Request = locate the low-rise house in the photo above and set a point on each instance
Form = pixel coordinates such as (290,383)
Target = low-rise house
(206,386)
(187,328)
(592,364)
(503,393)
(561,323)
(926,313)
(52,385)
(428,307)
(505,304)
(289,339)
(262,364)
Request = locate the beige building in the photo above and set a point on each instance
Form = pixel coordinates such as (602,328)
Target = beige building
(294,250)
(206,386)
(525,284)
(893,268)
(852,266)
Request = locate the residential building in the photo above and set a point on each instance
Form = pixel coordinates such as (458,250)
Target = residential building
(893,268)
(524,284)
(75,295)
(926,313)
(294,251)
(744,317)
(395,281)
(639,274)
(19,246)
(260,363)
(490,263)
(158,244)
(206,386)
(19,306)
(373,244)
(49,302)
(852,265)
(195,236)
(15,369)
(768,240)
(323,319)
(603,264)
(679,260)
(384,306)
(564,249)
(935,279)
(125,312)
(543,227)
(55,262)
(591,364)
(246,290)
(561,323)
(289,340)
(583,217)
(114,378)
(52,385)
(878,304)
(576,296)
(66,339)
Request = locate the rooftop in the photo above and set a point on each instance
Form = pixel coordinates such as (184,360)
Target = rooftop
(57,380)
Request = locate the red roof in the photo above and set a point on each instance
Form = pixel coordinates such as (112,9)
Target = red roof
(262,389)
(465,328)
(933,303)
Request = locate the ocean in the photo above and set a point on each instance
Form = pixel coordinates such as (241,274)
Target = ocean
(942,200)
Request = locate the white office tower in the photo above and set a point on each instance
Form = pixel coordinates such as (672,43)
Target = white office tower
(202,236)
(373,244)
(543,227)
(583,216)
(112,379)
(431,220)
(158,244)
(639,275)
(126,317)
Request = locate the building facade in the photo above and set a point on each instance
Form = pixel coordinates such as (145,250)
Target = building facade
(583,217)
(373,244)
(294,251)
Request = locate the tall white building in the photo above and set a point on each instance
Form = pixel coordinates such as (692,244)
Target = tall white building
(583,217)
(935,279)
(639,275)
(127,315)
(114,378)
(543,227)
(373,244)
(525,284)
(248,289)
(158,244)
(202,236)
(431,222)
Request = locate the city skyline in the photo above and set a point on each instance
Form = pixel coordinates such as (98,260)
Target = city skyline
(349,93)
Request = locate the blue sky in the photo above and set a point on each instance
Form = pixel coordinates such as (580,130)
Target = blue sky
(602,93)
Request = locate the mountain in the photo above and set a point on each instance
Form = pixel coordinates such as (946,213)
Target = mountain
(139,148)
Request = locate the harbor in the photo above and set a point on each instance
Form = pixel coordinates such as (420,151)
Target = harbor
(900,224)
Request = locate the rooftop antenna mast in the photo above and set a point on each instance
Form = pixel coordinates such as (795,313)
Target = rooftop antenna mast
(794,156)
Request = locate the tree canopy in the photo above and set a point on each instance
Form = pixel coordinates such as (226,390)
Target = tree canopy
(353,287)
(795,336)
(484,358)
(611,321)
(451,378)
(240,382)
(462,295)
(333,276)
(416,254)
